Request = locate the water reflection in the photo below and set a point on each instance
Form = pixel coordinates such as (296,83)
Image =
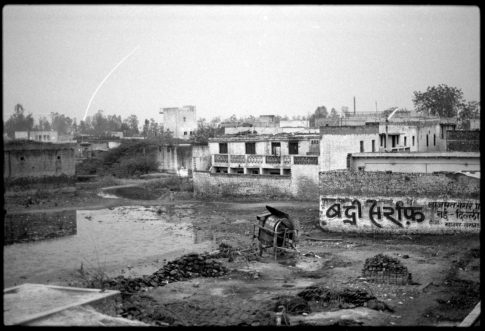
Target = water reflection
(109,237)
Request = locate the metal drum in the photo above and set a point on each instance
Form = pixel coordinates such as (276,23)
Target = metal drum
(276,230)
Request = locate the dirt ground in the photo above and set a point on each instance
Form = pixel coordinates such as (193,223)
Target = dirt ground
(445,268)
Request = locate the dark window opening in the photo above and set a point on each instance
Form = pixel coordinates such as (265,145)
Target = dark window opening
(58,157)
(434,139)
(293,147)
(22,158)
(427,141)
(275,148)
(250,148)
(222,148)
(373,145)
(413,140)
(361,146)
(405,141)
(185,133)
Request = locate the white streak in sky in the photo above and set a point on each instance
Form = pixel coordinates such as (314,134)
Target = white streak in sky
(105,78)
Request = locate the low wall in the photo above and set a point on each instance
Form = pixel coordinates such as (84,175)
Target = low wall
(398,214)
(304,181)
(399,202)
(463,141)
(219,184)
(415,162)
(25,227)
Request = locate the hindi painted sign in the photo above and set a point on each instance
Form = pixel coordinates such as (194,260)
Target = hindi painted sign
(398,214)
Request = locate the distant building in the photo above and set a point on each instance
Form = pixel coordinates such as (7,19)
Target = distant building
(263,153)
(33,163)
(181,122)
(44,136)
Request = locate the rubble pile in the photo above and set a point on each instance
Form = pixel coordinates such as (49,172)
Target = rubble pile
(342,298)
(352,296)
(385,269)
(189,266)
(315,293)
(292,304)
(230,252)
(186,267)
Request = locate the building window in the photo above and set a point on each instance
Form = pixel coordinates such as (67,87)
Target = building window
(373,145)
(275,148)
(413,140)
(434,139)
(250,148)
(293,147)
(362,146)
(427,141)
(191,133)
(222,148)
(405,141)
(184,119)
(185,133)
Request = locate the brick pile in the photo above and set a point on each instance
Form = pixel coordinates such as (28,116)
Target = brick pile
(385,269)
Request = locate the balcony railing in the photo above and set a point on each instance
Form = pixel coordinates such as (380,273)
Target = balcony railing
(305,160)
(258,160)
(220,158)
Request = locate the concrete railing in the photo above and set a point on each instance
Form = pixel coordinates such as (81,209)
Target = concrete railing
(260,160)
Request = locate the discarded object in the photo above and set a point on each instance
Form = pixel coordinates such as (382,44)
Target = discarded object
(473,319)
(385,269)
(318,239)
(276,230)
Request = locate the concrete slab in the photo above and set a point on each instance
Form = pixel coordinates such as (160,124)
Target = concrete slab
(27,303)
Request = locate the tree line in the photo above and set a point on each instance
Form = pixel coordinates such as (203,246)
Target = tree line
(441,100)
(99,125)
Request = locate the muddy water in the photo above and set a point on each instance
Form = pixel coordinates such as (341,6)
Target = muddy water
(109,239)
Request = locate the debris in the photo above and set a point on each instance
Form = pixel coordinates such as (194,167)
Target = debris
(385,269)
(321,239)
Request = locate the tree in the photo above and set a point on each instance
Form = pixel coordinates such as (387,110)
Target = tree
(18,121)
(441,100)
(333,114)
(113,123)
(468,110)
(145,128)
(100,124)
(61,123)
(131,125)
(44,124)
(320,112)
(205,131)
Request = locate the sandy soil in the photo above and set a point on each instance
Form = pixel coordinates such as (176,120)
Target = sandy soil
(445,268)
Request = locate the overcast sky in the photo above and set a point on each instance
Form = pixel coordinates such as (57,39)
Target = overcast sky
(239,60)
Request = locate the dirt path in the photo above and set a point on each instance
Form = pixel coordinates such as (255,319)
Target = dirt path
(445,268)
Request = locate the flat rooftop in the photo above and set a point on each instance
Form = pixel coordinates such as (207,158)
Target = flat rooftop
(418,155)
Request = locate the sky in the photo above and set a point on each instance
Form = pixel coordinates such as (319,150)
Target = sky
(243,60)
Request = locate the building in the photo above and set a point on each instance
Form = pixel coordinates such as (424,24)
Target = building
(263,154)
(427,135)
(181,122)
(336,143)
(173,157)
(44,136)
(418,162)
(28,163)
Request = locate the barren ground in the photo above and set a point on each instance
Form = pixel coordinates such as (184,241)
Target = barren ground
(445,268)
